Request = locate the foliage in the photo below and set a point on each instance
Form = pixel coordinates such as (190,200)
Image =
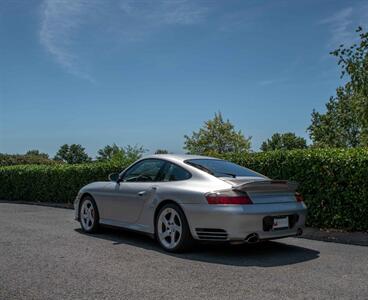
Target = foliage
(161,151)
(73,154)
(37,153)
(334,182)
(59,183)
(216,136)
(345,123)
(108,152)
(118,154)
(24,159)
(284,141)
(339,126)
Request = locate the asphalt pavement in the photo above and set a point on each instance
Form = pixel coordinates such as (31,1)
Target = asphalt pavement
(44,255)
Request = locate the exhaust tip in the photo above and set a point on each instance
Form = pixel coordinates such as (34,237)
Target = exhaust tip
(252,238)
(299,232)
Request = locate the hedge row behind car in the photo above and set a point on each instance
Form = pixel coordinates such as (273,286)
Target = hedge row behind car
(24,159)
(58,183)
(334,182)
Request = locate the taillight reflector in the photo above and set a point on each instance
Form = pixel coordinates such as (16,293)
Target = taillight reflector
(225,199)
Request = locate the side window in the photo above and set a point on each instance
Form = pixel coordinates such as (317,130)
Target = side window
(173,173)
(146,170)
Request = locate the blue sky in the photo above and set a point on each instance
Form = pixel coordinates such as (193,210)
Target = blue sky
(148,72)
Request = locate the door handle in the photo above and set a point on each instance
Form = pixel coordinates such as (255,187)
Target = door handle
(142,193)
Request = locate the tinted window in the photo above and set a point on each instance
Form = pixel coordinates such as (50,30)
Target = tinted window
(221,168)
(145,170)
(173,172)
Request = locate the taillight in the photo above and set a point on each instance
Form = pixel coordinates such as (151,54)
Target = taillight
(299,197)
(228,198)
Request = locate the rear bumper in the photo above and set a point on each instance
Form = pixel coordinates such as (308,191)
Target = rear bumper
(236,222)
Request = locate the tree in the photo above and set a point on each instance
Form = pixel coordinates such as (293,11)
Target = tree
(284,141)
(345,123)
(216,136)
(116,153)
(161,151)
(37,153)
(108,152)
(73,154)
(339,126)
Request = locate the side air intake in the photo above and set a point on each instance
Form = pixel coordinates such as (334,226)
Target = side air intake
(211,234)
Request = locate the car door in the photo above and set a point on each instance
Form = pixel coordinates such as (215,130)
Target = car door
(124,200)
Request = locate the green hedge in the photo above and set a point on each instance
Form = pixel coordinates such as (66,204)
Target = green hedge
(59,183)
(24,159)
(334,182)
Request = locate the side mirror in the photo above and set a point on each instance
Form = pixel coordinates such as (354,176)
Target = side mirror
(114,177)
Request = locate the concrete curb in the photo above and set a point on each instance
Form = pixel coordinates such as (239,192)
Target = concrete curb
(49,204)
(359,238)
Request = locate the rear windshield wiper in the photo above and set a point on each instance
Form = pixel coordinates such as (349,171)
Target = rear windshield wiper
(208,170)
(200,167)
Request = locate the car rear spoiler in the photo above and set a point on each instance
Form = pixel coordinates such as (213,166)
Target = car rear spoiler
(267,186)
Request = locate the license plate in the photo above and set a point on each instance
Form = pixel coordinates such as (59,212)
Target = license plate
(280,223)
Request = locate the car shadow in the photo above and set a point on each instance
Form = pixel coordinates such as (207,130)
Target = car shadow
(264,254)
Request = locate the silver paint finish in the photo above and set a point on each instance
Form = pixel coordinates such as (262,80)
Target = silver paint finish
(133,204)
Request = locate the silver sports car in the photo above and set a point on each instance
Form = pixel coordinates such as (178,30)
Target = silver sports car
(182,198)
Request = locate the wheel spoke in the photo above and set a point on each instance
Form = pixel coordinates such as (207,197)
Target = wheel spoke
(177,228)
(166,222)
(90,214)
(172,217)
(166,234)
(172,237)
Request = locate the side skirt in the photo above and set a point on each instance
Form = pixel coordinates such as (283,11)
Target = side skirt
(134,227)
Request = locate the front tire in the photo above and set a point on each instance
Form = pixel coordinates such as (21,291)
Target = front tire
(172,229)
(88,215)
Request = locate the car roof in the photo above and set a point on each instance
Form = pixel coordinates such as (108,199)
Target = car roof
(178,157)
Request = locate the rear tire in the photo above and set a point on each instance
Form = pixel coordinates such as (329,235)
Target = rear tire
(88,215)
(172,229)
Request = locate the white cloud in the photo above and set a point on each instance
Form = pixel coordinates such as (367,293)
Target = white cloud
(182,12)
(60,22)
(343,23)
(63,20)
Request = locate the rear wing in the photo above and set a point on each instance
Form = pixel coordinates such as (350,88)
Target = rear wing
(267,186)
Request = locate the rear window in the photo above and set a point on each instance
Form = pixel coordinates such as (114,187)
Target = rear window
(221,168)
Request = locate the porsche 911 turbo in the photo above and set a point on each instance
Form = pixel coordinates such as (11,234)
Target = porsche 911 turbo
(179,199)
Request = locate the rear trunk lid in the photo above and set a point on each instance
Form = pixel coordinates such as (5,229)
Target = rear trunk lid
(266,191)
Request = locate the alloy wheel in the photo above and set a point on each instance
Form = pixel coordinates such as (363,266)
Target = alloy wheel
(87,215)
(169,228)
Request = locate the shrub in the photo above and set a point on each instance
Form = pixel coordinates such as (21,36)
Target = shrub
(59,183)
(24,159)
(334,182)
